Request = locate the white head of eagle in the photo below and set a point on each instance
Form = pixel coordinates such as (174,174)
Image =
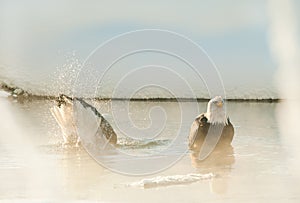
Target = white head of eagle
(216,111)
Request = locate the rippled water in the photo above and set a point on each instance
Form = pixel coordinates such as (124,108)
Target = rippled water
(35,166)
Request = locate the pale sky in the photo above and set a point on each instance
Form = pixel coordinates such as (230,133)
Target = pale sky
(36,36)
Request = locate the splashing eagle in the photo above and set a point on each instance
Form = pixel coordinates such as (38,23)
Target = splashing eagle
(64,115)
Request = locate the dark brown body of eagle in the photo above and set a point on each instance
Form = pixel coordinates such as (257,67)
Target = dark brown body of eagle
(200,129)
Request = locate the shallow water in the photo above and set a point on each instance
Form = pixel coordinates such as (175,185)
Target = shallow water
(35,166)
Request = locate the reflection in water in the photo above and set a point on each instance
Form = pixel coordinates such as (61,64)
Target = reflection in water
(219,162)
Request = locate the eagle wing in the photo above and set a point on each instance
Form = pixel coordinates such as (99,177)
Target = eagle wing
(64,117)
(194,129)
(105,126)
(228,132)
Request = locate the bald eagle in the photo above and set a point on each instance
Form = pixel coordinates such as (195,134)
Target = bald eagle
(64,115)
(214,124)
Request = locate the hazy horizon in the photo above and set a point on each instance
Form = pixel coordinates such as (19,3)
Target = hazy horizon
(43,41)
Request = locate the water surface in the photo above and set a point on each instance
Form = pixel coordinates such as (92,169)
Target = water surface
(34,165)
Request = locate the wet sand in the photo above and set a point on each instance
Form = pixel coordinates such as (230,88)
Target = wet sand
(35,166)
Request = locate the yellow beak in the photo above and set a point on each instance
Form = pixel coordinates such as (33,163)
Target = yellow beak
(220,104)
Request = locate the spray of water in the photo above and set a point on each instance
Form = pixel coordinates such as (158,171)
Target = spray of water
(65,75)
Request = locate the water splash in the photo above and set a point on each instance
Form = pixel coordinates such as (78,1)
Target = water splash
(127,143)
(162,181)
(64,77)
